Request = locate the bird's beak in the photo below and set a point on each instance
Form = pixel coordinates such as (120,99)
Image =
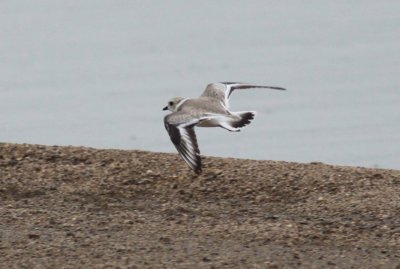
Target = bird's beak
(165,108)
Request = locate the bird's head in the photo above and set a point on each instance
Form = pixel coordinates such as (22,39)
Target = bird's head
(174,104)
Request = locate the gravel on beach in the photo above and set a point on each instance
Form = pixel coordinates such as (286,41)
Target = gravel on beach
(78,207)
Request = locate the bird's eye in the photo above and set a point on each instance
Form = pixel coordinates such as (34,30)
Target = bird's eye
(170,103)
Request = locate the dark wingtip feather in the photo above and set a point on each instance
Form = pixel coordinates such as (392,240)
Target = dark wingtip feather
(198,170)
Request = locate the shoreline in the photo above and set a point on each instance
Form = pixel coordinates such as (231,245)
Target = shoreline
(103,208)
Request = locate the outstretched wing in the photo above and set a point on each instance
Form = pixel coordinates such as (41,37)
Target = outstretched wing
(223,90)
(184,139)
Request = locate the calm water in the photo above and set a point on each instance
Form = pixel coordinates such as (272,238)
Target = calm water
(97,73)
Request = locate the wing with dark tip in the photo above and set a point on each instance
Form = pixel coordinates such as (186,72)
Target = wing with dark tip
(184,139)
(223,90)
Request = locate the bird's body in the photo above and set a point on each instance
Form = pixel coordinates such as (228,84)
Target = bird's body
(211,109)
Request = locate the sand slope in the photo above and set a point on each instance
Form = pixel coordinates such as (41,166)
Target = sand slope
(71,207)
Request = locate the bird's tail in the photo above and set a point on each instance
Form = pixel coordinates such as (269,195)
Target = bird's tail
(244,118)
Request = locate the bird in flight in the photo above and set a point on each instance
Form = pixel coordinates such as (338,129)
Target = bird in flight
(211,109)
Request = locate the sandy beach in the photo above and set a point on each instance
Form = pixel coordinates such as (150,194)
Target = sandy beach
(77,207)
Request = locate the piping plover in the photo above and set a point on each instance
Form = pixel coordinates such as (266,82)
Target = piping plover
(211,109)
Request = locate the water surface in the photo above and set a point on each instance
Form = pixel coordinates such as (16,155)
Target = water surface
(97,73)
